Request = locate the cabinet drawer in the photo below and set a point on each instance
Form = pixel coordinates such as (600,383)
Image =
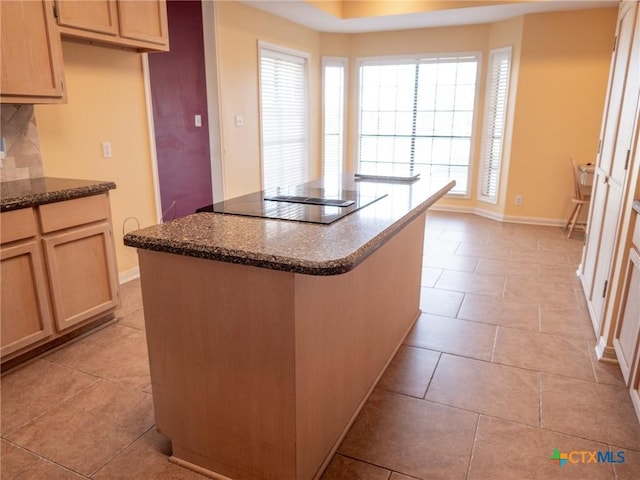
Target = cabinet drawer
(17,224)
(71,213)
(636,233)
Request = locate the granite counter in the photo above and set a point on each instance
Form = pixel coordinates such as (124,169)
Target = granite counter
(295,246)
(39,191)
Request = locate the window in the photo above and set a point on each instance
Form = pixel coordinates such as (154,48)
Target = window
(283,116)
(416,116)
(494,124)
(333,120)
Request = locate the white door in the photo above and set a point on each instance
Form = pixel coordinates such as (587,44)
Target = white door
(617,134)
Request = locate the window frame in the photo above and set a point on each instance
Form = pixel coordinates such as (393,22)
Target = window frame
(305,56)
(487,123)
(344,63)
(412,58)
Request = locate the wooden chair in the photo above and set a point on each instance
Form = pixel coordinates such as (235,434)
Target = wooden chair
(580,198)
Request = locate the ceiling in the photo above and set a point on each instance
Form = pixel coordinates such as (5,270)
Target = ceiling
(303,13)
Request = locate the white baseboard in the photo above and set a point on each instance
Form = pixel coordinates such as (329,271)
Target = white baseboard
(129,275)
(605,353)
(545,222)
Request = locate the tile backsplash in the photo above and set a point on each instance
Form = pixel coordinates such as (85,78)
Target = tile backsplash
(20,158)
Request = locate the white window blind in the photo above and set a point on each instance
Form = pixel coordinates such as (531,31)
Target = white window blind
(416,115)
(283,117)
(333,120)
(494,124)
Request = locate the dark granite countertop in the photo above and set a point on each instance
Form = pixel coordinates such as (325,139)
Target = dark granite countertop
(37,191)
(295,246)
(636,206)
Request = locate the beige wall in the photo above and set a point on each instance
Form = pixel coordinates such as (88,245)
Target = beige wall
(564,70)
(106,103)
(239,28)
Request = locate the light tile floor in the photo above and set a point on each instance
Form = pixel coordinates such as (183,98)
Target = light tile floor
(497,373)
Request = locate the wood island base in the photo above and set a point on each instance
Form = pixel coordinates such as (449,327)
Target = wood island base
(257,374)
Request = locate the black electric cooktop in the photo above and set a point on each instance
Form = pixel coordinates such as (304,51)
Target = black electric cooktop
(301,204)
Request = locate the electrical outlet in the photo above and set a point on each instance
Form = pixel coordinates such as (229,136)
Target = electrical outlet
(106,149)
(518,200)
(198,120)
(3,152)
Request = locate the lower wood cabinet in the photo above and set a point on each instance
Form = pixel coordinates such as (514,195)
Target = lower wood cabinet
(83,274)
(24,306)
(58,272)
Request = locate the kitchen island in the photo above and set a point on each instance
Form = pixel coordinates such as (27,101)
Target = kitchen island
(267,336)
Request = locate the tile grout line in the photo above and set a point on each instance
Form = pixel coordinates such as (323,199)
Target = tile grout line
(495,345)
(433,374)
(540,400)
(60,403)
(40,459)
(119,452)
(473,446)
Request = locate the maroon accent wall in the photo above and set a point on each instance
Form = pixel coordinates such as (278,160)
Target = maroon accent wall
(178,90)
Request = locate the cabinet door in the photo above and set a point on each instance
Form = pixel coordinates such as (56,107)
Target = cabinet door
(617,79)
(31,56)
(24,310)
(627,338)
(82,273)
(619,125)
(95,16)
(144,20)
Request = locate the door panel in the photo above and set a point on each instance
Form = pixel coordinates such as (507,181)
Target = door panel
(617,84)
(619,124)
(178,90)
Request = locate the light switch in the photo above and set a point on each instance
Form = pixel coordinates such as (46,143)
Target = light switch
(198,120)
(239,120)
(106,149)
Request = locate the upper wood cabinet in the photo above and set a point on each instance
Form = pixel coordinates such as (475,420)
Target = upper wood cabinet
(96,16)
(31,53)
(145,21)
(138,24)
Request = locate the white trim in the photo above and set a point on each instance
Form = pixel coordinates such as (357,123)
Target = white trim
(393,59)
(541,221)
(306,60)
(152,136)
(129,275)
(486,116)
(212,80)
(344,63)
(280,49)
(605,353)
(544,222)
